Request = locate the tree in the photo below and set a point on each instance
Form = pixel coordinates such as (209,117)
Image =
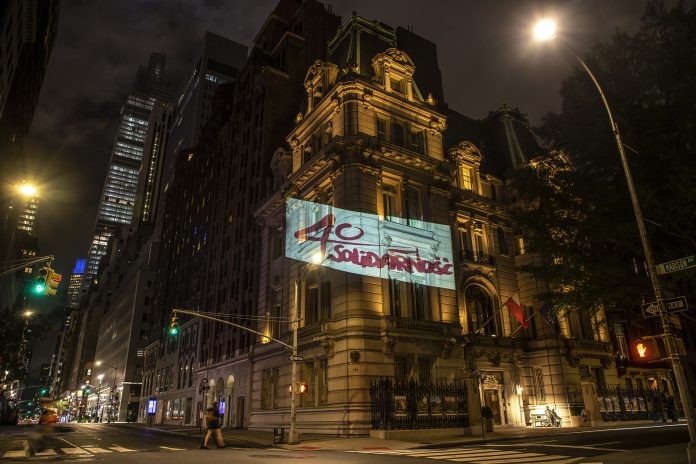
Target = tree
(575,209)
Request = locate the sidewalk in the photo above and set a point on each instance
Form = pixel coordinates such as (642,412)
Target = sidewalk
(264,439)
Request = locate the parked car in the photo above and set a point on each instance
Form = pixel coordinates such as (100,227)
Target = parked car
(48,416)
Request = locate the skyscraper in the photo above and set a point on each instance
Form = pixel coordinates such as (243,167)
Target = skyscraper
(118,199)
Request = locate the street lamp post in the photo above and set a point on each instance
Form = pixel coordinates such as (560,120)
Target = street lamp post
(99,405)
(545,30)
(113,388)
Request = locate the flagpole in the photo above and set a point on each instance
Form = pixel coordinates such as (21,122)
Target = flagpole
(522,325)
(489,319)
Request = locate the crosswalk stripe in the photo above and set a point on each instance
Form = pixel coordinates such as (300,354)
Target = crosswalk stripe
(480,456)
(120,449)
(46,452)
(549,459)
(172,449)
(74,450)
(97,450)
(15,454)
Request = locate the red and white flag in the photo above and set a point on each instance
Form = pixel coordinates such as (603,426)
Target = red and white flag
(515,308)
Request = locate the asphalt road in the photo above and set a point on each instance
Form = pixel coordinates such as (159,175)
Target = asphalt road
(112,444)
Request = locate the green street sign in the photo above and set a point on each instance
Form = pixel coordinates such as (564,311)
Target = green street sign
(676,265)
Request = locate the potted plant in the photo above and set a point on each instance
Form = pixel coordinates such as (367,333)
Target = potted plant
(576,415)
(487,418)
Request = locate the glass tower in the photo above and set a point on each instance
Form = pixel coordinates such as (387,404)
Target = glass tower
(118,199)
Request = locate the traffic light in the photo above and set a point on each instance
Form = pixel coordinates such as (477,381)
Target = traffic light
(39,287)
(52,281)
(43,391)
(88,390)
(174,326)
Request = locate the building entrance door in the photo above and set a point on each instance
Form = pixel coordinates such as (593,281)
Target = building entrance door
(491,398)
(240,412)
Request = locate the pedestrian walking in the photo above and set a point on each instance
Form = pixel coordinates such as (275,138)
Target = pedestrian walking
(212,419)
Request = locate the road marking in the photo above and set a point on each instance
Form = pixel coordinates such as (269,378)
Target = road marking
(75,450)
(120,449)
(549,459)
(172,449)
(577,447)
(15,454)
(97,450)
(46,452)
(480,456)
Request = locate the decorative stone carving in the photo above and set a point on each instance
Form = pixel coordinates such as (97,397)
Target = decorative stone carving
(437,125)
(388,344)
(447,347)
(467,152)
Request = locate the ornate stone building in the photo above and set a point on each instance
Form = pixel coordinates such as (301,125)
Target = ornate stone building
(370,140)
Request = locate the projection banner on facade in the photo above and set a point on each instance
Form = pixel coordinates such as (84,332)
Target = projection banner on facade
(361,243)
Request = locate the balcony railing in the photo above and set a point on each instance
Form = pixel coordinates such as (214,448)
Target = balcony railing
(477,257)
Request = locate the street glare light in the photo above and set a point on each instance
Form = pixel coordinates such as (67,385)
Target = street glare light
(316,258)
(27,190)
(544,30)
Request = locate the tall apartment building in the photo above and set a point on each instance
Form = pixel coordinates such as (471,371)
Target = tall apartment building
(27,33)
(210,216)
(130,151)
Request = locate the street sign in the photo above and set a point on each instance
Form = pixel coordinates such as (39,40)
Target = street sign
(672,305)
(651,309)
(676,305)
(297,358)
(676,265)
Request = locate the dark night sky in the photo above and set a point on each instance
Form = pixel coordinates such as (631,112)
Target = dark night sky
(484,52)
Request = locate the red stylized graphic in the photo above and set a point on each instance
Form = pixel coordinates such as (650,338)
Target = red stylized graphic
(397,259)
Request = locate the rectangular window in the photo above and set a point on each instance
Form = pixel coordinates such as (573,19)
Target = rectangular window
(464,237)
(402,369)
(414,206)
(395,297)
(398,134)
(398,85)
(312,304)
(323,382)
(502,242)
(325,311)
(382,130)
(466,178)
(621,341)
(424,371)
(420,296)
(277,242)
(276,314)
(417,141)
(390,203)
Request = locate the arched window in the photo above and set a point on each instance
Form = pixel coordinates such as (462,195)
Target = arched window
(483,318)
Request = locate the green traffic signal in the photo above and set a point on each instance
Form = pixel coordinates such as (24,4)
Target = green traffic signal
(174,326)
(39,286)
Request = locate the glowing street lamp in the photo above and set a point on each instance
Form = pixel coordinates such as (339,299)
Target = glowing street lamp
(113,387)
(545,30)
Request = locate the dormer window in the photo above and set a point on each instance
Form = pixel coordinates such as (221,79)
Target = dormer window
(398,85)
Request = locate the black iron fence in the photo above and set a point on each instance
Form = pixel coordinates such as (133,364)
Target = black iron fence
(619,404)
(401,406)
